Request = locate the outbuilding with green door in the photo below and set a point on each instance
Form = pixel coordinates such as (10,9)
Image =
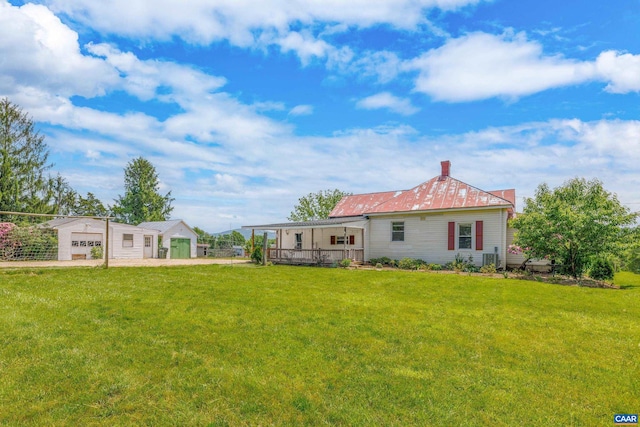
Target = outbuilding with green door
(176,236)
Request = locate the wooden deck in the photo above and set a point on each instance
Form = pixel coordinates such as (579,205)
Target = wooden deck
(314,256)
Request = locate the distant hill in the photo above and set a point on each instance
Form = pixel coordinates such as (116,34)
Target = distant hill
(246,233)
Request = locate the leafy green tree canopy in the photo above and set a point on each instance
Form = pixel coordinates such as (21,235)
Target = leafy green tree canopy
(89,206)
(573,223)
(141,201)
(316,205)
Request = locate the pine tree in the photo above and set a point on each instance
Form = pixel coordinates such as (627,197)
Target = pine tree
(141,201)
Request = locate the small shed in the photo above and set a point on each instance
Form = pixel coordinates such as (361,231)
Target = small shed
(203,249)
(175,235)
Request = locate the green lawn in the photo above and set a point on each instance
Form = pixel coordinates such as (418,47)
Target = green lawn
(243,345)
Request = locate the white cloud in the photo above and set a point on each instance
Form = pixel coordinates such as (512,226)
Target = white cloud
(251,24)
(480,66)
(388,101)
(301,110)
(383,65)
(34,43)
(205,21)
(621,70)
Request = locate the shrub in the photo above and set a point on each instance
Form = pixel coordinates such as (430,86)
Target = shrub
(601,269)
(256,255)
(27,243)
(97,252)
(461,264)
(488,269)
(412,264)
(345,263)
(434,267)
(378,265)
(384,261)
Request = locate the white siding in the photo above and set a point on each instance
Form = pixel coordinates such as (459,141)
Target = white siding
(116,248)
(80,226)
(320,238)
(426,236)
(180,230)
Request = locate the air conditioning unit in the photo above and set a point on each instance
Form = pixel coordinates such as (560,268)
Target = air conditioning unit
(490,259)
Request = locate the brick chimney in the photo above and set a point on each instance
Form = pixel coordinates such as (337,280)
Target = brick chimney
(446,168)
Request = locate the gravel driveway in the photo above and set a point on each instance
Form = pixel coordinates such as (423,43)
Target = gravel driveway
(147,262)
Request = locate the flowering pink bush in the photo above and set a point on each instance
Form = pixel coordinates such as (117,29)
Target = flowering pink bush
(5,229)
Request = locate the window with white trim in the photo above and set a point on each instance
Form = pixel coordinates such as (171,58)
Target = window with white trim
(464,235)
(127,240)
(397,231)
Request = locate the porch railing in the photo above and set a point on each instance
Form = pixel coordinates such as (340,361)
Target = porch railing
(314,256)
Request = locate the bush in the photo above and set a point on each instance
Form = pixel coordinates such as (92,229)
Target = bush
(345,263)
(488,269)
(378,265)
(256,255)
(97,252)
(411,264)
(384,261)
(434,267)
(601,269)
(27,243)
(461,264)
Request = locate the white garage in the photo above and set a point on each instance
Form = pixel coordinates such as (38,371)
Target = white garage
(78,236)
(83,243)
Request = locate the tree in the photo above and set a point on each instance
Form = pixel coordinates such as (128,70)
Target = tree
(63,197)
(229,240)
(316,205)
(141,201)
(89,206)
(23,163)
(573,224)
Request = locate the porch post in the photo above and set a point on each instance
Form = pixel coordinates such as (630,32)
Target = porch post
(345,253)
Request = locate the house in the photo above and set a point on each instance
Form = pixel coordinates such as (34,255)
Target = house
(434,221)
(78,236)
(175,235)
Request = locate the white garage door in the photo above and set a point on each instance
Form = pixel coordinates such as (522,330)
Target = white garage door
(82,243)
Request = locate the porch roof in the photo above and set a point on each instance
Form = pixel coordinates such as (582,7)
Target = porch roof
(350,222)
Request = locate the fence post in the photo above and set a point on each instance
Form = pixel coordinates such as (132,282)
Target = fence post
(265,243)
(106,251)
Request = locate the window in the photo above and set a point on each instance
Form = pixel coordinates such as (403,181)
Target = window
(464,236)
(298,240)
(147,241)
(127,240)
(397,231)
(342,240)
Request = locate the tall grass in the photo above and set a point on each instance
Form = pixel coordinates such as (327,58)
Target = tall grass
(223,345)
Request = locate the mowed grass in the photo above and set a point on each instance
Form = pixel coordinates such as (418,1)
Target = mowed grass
(244,345)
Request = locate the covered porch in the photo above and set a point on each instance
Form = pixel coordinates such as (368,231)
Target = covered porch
(320,242)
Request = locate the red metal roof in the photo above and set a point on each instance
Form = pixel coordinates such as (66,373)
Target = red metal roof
(440,192)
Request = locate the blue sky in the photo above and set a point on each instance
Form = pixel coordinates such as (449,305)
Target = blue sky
(245,106)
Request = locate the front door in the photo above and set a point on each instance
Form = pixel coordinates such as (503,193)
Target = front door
(148,247)
(180,248)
